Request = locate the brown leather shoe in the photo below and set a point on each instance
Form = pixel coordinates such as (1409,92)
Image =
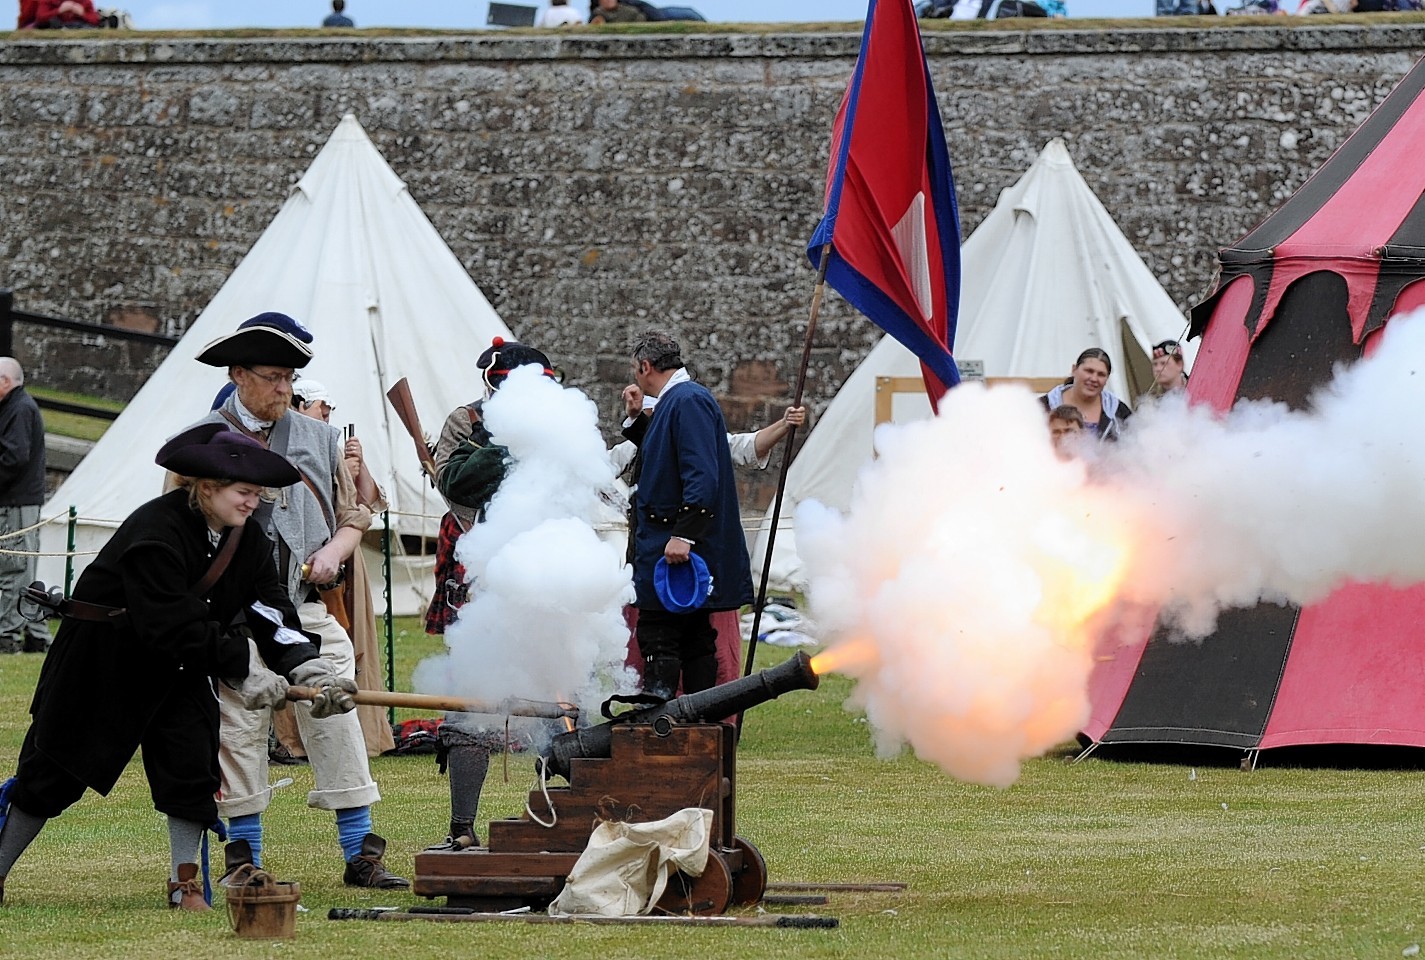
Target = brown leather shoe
(187,892)
(367,870)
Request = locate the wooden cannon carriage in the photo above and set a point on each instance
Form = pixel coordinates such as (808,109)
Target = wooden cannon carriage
(643,766)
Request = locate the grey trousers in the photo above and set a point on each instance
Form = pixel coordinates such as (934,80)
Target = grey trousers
(16,573)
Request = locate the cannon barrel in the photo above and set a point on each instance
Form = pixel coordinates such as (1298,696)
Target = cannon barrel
(720,701)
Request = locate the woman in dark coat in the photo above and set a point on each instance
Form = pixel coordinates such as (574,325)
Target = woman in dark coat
(142,643)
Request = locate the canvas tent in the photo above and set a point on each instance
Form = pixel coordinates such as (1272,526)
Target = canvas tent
(1046,275)
(352,257)
(1308,288)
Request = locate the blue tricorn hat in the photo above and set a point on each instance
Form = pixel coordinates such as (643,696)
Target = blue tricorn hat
(212,451)
(269,339)
(682,587)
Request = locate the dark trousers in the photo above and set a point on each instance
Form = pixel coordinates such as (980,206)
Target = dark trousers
(674,646)
(677,636)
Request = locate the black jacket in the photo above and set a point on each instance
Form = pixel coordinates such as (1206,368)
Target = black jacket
(101,684)
(22,451)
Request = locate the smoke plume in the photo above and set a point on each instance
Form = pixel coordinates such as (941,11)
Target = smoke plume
(544,620)
(976,574)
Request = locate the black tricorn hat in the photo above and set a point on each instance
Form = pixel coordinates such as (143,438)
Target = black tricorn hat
(502,356)
(269,339)
(213,452)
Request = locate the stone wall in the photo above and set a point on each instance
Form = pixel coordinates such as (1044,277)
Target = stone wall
(597,184)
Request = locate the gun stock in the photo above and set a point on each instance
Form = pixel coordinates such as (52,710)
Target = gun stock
(400,397)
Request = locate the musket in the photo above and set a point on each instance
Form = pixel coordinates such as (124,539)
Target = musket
(400,397)
(513,706)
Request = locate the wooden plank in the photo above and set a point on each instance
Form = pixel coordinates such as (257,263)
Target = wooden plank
(890,886)
(783,921)
(480,862)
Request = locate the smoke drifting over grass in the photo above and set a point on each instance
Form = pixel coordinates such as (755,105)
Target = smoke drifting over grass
(976,574)
(545,617)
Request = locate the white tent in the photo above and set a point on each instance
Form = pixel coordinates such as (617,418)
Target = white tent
(1045,276)
(353,258)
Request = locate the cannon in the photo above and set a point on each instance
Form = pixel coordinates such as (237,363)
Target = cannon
(643,765)
(726,700)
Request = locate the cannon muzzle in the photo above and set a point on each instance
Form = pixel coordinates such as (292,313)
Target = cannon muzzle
(720,701)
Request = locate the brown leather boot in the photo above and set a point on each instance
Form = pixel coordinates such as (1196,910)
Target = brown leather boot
(367,870)
(187,892)
(236,855)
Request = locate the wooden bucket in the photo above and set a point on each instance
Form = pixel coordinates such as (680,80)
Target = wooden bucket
(261,907)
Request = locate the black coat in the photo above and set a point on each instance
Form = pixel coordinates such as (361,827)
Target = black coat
(102,684)
(22,450)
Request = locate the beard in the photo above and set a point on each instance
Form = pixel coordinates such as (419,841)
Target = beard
(265,406)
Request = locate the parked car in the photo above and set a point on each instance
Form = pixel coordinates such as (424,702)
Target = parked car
(989,9)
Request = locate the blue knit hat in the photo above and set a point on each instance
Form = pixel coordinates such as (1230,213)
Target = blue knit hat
(682,587)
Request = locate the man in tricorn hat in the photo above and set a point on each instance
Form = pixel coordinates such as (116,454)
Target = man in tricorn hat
(315,525)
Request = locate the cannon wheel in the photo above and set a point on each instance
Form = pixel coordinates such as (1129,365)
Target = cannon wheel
(751,881)
(707,895)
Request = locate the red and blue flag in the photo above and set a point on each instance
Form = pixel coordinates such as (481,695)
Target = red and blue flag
(891,217)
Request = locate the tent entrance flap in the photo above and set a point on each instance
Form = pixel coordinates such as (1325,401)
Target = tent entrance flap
(1291,359)
(1218,691)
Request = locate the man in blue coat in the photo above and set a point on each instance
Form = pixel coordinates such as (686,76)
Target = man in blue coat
(686,504)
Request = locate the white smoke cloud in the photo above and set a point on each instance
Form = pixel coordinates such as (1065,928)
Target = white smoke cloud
(975,575)
(545,618)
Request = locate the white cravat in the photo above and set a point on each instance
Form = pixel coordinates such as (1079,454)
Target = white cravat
(249,420)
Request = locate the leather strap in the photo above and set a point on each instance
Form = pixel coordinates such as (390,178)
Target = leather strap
(93,612)
(220,562)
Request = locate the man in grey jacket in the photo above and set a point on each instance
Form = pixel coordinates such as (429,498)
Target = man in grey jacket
(22,490)
(315,526)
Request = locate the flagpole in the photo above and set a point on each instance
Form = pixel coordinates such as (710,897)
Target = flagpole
(786,462)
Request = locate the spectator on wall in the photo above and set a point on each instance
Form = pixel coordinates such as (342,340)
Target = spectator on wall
(560,14)
(612,11)
(65,14)
(338,17)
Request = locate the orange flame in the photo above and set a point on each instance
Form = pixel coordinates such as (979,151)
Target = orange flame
(855,652)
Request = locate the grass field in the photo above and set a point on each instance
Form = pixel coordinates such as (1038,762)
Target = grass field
(1095,860)
(74,424)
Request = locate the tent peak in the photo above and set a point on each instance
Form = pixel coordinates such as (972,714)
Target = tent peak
(349,128)
(1056,152)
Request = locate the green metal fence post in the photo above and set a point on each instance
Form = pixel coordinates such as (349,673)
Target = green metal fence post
(69,554)
(390,620)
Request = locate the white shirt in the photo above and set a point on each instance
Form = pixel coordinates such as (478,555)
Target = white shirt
(560,17)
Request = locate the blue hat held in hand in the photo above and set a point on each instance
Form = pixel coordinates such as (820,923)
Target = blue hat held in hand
(682,587)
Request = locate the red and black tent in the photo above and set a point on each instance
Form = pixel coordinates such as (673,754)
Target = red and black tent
(1311,286)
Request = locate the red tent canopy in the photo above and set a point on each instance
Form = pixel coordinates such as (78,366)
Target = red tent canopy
(1309,287)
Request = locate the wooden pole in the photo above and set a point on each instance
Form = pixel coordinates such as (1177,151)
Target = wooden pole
(419,701)
(816,296)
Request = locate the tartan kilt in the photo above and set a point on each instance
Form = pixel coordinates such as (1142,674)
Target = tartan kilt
(451,590)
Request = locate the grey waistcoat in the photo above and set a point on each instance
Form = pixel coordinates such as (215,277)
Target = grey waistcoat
(296,517)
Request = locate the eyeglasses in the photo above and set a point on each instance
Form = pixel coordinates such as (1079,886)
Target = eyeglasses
(273,378)
(1168,348)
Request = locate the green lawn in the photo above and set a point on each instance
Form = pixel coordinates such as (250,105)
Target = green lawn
(73,424)
(1094,860)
